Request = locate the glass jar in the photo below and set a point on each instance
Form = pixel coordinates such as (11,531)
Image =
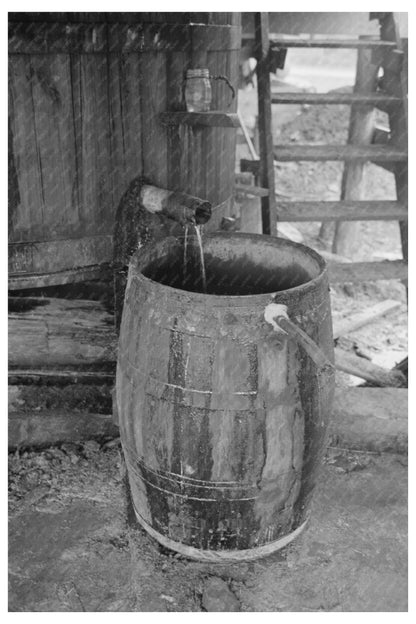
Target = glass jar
(198,93)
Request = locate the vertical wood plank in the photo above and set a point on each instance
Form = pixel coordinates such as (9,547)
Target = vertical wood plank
(196,164)
(56,143)
(95,174)
(220,100)
(360,132)
(118,162)
(396,83)
(176,135)
(131,114)
(76,103)
(268,204)
(13,184)
(154,101)
(28,216)
(125,118)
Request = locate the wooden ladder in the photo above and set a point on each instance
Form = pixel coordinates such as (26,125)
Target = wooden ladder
(385,148)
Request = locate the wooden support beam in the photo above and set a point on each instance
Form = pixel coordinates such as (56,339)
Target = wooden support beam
(347,153)
(358,272)
(266,180)
(379,100)
(295,41)
(338,210)
(327,42)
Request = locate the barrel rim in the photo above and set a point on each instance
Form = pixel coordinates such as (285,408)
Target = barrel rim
(224,300)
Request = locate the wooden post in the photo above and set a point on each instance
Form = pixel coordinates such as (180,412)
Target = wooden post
(360,133)
(395,83)
(268,204)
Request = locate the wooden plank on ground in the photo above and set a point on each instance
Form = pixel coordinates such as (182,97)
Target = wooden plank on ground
(373,419)
(90,398)
(370,419)
(360,367)
(60,333)
(40,429)
(354,321)
(97,375)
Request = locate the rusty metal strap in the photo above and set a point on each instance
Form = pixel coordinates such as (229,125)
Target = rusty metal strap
(58,37)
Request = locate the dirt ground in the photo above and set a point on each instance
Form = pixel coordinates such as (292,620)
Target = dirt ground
(73,541)
(74,544)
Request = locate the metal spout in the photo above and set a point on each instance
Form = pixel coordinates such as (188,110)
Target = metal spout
(178,206)
(142,217)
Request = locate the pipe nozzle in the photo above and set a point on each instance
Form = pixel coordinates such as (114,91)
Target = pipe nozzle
(178,206)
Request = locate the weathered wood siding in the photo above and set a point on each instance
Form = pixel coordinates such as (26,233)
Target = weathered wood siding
(85,95)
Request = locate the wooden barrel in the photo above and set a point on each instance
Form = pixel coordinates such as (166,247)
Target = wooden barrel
(223,422)
(86,92)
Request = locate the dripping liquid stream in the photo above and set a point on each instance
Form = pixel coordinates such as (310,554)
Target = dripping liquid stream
(185,252)
(201,255)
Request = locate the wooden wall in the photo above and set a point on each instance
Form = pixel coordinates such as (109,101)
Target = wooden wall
(85,94)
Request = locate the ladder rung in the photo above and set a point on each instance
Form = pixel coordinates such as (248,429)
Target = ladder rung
(295,211)
(356,272)
(358,153)
(372,99)
(302,42)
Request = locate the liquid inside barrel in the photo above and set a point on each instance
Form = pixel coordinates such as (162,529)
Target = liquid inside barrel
(223,423)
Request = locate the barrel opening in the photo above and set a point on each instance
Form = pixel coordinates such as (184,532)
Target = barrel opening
(230,275)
